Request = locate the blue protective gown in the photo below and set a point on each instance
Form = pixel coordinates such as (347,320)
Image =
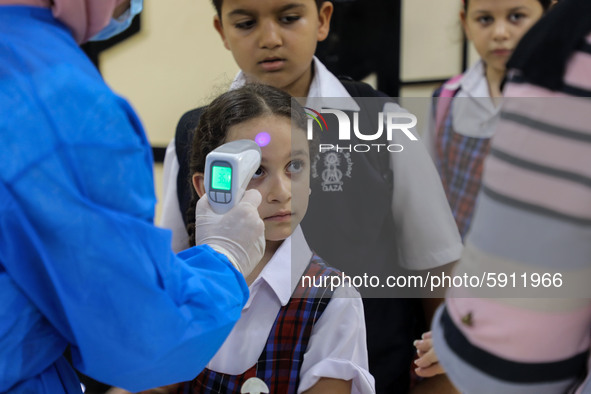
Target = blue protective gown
(81,263)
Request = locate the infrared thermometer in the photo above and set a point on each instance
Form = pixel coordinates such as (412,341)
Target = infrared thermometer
(228,170)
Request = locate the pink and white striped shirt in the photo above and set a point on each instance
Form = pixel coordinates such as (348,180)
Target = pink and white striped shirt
(533,217)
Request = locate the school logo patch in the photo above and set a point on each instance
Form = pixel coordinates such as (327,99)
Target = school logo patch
(333,168)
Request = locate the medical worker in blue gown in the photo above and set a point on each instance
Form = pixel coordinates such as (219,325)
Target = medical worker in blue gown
(81,264)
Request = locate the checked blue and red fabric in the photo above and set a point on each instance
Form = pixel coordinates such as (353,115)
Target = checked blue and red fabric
(459,160)
(280,362)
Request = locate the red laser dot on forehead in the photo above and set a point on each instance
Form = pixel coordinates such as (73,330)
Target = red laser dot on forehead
(262,139)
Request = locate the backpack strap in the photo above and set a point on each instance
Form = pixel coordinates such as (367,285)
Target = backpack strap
(444,96)
(361,89)
(183,139)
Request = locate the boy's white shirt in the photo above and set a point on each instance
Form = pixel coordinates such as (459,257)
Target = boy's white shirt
(425,227)
(337,347)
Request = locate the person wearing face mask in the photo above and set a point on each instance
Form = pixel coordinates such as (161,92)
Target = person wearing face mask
(82,267)
(122,17)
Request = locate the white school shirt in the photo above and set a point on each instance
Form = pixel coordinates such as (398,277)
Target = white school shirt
(337,347)
(426,230)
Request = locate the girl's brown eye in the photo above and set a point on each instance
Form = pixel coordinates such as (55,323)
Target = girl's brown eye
(258,173)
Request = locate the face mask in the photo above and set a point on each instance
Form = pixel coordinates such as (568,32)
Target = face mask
(118,25)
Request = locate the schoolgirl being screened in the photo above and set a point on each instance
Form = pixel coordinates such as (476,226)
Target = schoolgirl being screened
(293,338)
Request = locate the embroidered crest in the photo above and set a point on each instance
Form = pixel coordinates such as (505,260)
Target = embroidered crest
(333,168)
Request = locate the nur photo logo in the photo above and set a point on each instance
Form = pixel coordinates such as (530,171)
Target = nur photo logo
(349,127)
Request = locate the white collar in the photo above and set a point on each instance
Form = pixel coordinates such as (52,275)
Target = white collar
(239,80)
(474,114)
(474,82)
(324,84)
(282,273)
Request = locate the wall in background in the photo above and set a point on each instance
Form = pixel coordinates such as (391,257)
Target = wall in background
(175,63)
(178,62)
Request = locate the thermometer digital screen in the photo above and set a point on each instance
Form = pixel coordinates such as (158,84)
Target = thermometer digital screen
(221,177)
(228,169)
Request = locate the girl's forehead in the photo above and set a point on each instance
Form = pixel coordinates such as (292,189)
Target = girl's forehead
(270,132)
(268,123)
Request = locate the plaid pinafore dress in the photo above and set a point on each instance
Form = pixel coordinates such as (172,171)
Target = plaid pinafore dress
(280,362)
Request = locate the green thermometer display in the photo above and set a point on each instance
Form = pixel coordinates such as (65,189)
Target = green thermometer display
(221,177)
(228,169)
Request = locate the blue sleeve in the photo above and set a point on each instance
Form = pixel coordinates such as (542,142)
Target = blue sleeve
(80,243)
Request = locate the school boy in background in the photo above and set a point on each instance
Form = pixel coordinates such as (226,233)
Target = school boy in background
(273,42)
(466,106)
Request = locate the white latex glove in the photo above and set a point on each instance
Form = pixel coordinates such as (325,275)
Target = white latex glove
(239,233)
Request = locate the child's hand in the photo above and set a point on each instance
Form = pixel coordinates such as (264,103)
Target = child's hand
(427,363)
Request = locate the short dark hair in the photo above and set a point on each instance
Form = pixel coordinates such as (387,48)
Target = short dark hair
(545,4)
(218,5)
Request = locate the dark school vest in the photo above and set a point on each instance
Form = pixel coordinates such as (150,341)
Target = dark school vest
(350,223)
(349,219)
